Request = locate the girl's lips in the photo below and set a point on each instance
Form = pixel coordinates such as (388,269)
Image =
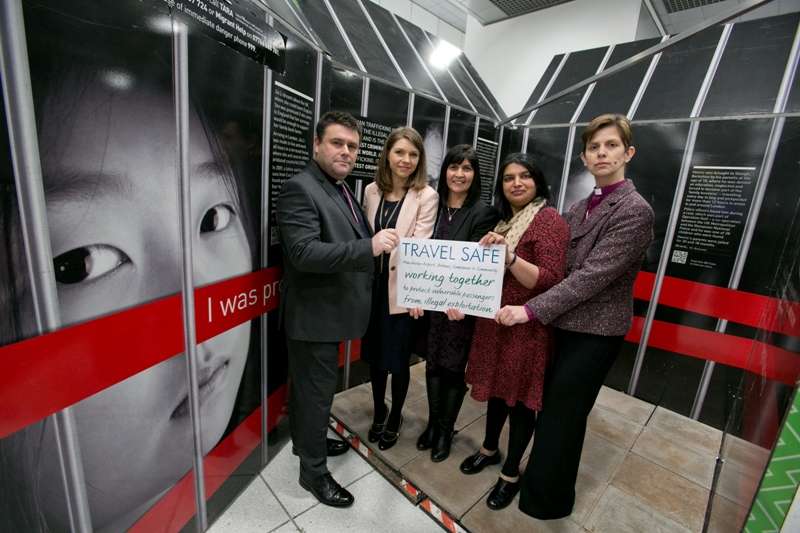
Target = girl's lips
(209,380)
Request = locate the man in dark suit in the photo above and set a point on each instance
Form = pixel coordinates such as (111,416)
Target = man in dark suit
(326,291)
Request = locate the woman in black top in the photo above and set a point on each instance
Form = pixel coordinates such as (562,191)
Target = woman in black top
(462,216)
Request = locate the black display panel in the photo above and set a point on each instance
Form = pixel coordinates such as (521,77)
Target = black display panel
(323,25)
(778,225)
(387,105)
(461,128)
(341,90)
(758,50)
(544,80)
(488,151)
(770,270)
(373,139)
(365,41)
(442,77)
(469,88)
(655,170)
(678,76)
(482,86)
(579,181)
(547,146)
(727,157)
(301,63)
(428,120)
(401,49)
(615,94)
(511,142)
(719,189)
(578,67)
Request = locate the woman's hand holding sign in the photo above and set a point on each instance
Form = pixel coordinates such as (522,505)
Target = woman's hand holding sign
(495,238)
(511,315)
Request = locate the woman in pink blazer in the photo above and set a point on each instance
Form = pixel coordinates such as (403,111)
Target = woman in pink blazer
(399,198)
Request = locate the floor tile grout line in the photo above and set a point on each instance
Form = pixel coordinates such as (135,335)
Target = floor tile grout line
(276,528)
(593,506)
(693,482)
(285,510)
(650,508)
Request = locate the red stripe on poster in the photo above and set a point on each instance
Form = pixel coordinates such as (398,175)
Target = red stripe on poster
(749,309)
(32,384)
(739,352)
(172,512)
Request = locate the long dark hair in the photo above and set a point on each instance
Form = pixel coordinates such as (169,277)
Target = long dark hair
(527,161)
(456,155)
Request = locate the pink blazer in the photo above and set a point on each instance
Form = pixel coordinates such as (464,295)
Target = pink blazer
(416,219)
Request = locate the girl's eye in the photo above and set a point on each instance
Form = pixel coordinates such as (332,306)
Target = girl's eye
(87,263)
(216,219)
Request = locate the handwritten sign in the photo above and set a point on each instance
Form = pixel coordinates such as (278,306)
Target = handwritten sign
(437,275)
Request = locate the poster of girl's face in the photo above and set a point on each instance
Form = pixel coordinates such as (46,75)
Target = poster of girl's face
(103,101)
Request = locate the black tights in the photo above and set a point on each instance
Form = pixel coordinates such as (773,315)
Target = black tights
(400,382)
(521,424)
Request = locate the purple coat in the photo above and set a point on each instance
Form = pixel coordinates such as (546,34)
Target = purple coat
(604,256)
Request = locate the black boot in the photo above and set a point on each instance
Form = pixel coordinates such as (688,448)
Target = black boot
(452,398)
(433,383)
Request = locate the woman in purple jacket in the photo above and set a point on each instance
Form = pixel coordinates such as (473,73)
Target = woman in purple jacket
(591,311)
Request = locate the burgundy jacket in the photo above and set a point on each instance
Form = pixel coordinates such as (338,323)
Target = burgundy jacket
(604,256)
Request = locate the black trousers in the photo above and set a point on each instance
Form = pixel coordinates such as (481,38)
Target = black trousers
(582,361)
(313,370)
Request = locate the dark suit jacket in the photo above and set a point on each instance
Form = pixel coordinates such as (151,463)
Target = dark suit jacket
(605,254)
(474,222)
(328,263)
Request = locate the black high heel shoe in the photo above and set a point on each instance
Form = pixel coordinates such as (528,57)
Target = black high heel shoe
(377,429)
(389,437)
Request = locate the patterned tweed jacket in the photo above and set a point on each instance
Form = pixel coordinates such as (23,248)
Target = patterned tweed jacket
(605,254)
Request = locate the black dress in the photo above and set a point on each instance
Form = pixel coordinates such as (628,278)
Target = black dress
(448,341)
(388,340)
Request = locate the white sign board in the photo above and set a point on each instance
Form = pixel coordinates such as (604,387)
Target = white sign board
(437,275)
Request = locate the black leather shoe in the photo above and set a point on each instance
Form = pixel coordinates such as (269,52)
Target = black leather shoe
(375,432)
(477,462)
(334,447)
(328,491)
(502,494)
(389,437)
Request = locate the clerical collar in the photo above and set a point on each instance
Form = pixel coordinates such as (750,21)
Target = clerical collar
(331,179)
(608,189)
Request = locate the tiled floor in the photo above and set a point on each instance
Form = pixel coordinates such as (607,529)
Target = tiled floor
(643,468)
(275,502)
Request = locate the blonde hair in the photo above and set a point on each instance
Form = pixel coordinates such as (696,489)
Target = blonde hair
(620,122)
(383,174)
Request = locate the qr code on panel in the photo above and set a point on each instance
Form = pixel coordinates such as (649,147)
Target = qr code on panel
(679,256)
